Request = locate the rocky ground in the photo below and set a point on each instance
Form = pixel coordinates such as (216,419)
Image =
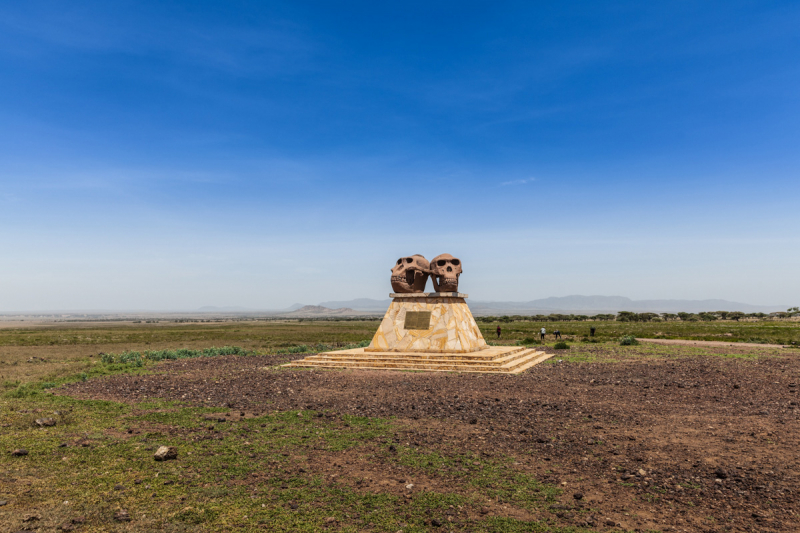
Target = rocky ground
(701,443)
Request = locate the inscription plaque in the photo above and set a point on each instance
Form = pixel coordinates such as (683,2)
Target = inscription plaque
(417,320)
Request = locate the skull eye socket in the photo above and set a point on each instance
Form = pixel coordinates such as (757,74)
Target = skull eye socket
(409,260)
(400,261)
(441,262)
(455,262)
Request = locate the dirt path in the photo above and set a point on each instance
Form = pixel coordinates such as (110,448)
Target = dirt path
(711,343)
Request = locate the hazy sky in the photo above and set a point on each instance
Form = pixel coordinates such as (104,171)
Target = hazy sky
(172,155)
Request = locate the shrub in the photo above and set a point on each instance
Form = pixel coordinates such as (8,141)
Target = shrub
(628,340)
(561,345)
(138,359)
(529,340)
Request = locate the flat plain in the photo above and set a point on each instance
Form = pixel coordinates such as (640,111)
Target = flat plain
(601,437)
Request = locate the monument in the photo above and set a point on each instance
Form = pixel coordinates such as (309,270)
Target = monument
(432,331)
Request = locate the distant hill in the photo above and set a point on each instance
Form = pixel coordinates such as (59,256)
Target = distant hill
(227,309)
(318,310)
(580,304)
(362,304)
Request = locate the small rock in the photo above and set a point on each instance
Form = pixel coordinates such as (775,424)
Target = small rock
(166,453)
(119,487)
(46,422)
(392,448)
(578,496)
(31,518)
(610,523)
(642,472)
(484,510)
(330,520)
(19,452)
(435,523)
(78,520)
(473,421)
(122,516)
(293,505)
(3,502)
(720,473)
(66,527)
(410,486)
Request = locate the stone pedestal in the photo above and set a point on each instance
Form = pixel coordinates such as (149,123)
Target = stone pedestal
(434,332)
(433,322)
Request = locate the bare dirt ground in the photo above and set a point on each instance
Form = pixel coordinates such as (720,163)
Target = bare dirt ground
(702,443)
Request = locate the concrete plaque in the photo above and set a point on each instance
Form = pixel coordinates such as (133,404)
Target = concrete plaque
(417,320)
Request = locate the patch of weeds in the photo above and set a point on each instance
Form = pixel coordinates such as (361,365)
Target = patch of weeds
(561,345)
(320,347)
(628,340)
(495,479)
(498,524)
(22,391)
(138,359)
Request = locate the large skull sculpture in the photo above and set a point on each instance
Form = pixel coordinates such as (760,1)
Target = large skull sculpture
(410,274)
(445,270)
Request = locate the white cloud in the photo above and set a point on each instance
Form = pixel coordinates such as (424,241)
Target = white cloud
(518,182)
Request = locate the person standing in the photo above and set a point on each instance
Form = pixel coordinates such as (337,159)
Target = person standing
(591,331)
(498,332)
(557,334)
(542,333)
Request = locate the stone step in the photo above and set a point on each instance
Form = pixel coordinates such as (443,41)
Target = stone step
(515,362)
(414,358)
(489,354)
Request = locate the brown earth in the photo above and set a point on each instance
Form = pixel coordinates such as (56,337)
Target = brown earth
(702,443)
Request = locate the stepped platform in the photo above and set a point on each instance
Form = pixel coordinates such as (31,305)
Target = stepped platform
(493,359)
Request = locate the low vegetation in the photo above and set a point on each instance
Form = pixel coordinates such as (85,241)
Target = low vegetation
(89,464)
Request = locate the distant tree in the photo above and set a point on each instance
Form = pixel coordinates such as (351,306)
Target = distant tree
(669,316)
(627,316)
(707,317)
(686,316)
(647,317)
(722,314)
(736,315)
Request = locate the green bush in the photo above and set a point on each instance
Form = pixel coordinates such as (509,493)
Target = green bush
(138,359)
(628,340)
(561,345)
(529,340)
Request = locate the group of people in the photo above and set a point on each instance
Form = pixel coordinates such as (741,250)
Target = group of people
(543,333)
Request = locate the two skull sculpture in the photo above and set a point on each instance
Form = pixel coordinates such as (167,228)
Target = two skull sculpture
(410,274)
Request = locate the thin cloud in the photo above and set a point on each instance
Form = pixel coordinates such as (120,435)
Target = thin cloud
(518,182)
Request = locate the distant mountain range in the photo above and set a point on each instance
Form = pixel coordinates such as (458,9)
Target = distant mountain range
(578,304)
(318,310)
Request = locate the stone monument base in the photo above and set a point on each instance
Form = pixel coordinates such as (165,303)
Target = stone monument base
(433,332)
(433,322)
(492,359)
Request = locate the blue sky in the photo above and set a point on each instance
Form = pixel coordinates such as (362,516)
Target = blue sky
(170,155)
